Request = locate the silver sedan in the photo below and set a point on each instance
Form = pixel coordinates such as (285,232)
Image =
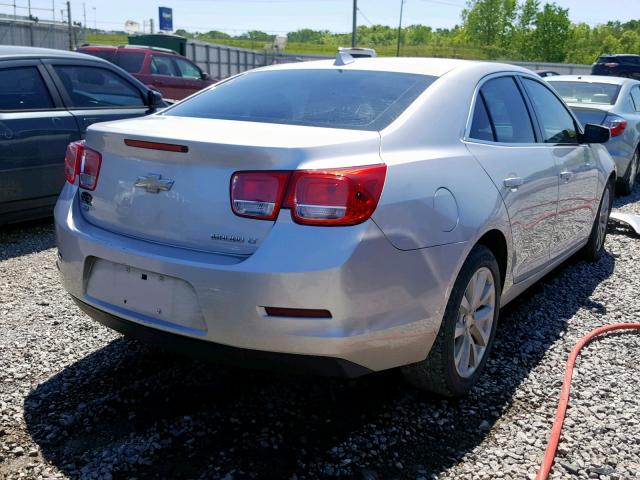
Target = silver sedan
(615,103)
(334,217)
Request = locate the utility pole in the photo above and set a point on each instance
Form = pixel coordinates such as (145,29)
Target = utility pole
(95,23)
(70,25)
(84,14)
(151,25)
(353,27)
(400,28)
(29,8)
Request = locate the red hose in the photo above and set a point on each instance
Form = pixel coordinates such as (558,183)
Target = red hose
(554,438)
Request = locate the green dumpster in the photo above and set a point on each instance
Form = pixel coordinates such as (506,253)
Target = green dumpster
(173,42)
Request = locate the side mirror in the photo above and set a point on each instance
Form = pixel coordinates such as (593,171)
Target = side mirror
(205,76)
(595,134)
(155,100)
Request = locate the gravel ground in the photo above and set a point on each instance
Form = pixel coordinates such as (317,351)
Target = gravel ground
(79,401)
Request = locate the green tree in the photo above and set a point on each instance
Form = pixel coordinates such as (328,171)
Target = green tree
(489,22)
(552,32)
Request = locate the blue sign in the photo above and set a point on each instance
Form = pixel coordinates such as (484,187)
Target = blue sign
(166,18)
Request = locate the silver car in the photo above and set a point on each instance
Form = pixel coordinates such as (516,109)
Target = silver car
(336,218)
(615,103)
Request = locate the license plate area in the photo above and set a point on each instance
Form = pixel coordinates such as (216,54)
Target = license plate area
(150,295)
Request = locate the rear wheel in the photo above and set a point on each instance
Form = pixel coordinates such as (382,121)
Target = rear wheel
(466,334)
(629,179)
(595,246)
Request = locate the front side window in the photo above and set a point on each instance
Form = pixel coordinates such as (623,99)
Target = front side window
(331,98)
(188,69)
(163,65)
(507,111)
(587,92)
(556,122)
(94,87)
(23,89)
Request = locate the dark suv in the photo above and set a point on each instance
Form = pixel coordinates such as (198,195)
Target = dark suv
(620,65)
(173,75)
(48,98)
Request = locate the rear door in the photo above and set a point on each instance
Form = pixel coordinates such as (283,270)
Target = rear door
(503,138)
(35,129)
(95,93)
(578,197)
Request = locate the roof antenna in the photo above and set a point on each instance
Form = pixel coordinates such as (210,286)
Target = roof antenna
(343,58)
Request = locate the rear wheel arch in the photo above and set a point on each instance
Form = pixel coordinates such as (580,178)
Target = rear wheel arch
(496,241)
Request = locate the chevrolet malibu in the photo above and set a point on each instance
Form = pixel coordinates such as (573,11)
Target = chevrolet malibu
(334,217)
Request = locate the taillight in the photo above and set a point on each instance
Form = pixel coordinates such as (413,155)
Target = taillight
(344,196)
(335,196)
(611,65)
(616,124)
(89,169)
(258,194)
(72,160)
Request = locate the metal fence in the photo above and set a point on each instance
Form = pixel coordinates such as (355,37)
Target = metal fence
(222,61)
(32,34)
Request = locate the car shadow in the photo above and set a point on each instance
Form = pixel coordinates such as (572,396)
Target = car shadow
(633,197)
(26,238)
(129,410)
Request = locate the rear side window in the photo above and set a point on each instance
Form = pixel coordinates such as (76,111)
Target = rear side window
(635,98)
(481,128)
(23,89)
(163,65)
(332,98)
(94,87)
(556,122)
(507,111)
(130,61)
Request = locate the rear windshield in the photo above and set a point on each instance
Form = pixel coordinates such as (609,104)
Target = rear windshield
(105,54)
(130,61)
(583,92)
(605,59)
(350,99)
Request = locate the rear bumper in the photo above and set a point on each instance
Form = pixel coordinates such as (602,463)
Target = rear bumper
(205,350)
(386,305)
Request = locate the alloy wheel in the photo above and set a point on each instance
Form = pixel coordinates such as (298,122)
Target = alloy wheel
(604,218)
(475,322)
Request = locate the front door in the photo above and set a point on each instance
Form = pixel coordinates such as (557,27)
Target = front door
(578,196)
(35,130)
(95,94)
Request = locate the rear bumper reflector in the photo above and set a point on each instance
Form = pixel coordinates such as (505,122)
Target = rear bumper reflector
(297,312)
(167,147)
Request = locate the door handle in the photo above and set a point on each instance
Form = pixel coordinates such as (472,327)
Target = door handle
(566,176)
(513,182)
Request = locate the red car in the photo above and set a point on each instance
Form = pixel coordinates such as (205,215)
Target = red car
(173,75)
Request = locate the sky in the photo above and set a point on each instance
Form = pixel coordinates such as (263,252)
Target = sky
(281,16)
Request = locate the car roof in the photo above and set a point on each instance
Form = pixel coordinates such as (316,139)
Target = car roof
(593,79)
(416,65)
(14,52)
(620,55)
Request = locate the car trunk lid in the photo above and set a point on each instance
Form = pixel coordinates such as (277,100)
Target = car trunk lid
(182,197)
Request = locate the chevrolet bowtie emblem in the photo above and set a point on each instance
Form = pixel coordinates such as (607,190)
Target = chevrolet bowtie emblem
(153,183)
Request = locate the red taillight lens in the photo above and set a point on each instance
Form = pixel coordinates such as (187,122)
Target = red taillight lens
(72,160)
(335,196)
(258,194)
(89,169)
(344,196)
(616,124)
(611,65)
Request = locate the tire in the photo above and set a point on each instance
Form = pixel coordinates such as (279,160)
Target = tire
(628,181)
(592,251)
(439,372)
